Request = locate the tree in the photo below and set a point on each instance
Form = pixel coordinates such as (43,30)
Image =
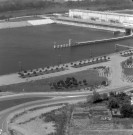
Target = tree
(96,97)
(123,98)
(112,94)
(129,61)
(113,103)
(104,83)
(126,110)
(104,96)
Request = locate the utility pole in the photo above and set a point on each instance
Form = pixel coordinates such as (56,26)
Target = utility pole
(20,66)
(116,48)
(59,59)
(90,53)
(70,42)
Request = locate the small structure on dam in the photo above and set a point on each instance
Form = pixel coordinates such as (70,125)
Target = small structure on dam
(116,22)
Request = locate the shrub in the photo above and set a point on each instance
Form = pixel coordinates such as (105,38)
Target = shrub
(104,96)
(113,103)
(96,97)
(126,110)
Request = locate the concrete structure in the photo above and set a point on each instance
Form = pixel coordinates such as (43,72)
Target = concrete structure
(98,16)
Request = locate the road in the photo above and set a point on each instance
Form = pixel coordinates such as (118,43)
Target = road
(56,97)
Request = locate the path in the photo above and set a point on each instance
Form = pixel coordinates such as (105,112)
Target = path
(116,77)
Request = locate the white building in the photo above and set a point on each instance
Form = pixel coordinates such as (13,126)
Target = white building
(110,17)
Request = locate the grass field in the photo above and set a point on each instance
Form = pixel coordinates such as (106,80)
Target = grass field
(125,12)
(91,76)
(127,71)
(10,103)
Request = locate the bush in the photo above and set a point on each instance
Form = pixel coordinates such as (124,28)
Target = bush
(113,103)
(96,97)
(104,96)
(126,110)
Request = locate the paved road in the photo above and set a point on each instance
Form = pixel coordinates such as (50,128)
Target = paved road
(55,98)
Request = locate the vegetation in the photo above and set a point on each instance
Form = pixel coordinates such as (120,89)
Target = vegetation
(127,69)
(113,103)
(96,97)
(70,82)
(127,110)
(44,85)
(61,6)
(120,101)
(59,117)
(129,61)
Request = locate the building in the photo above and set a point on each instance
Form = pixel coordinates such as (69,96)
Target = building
(105,17)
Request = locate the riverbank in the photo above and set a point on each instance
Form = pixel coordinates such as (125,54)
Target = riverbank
(115,78)
(31,22)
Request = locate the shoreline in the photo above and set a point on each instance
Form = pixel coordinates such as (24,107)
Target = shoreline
(14,78)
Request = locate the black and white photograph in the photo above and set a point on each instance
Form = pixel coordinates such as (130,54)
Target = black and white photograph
(66,67)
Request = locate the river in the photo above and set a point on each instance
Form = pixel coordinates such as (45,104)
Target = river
(33,46)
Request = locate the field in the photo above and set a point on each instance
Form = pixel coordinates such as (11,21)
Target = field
(128,71)
(92,77)
(98,121)
(10,103)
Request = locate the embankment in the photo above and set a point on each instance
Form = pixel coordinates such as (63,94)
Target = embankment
(11,24)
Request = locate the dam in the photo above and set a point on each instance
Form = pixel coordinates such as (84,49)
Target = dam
(118,23)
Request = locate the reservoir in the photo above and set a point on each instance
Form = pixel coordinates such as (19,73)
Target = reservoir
(33,46)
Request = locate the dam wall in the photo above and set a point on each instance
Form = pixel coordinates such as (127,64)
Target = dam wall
(90,26)
(107,27)
(103,40)
(92,42)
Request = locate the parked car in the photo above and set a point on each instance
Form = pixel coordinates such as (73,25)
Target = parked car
(0,131)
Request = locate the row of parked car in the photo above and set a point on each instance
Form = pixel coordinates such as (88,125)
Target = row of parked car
(42,71)
(126,53)
(90,61)
(61,67)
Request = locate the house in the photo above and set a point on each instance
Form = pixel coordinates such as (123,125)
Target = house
(116,112)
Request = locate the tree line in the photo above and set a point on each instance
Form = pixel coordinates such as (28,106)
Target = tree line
(14,5)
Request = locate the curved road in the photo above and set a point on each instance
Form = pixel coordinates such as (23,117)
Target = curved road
(56,97)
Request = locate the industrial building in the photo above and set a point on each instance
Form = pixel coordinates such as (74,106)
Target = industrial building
(105,17)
